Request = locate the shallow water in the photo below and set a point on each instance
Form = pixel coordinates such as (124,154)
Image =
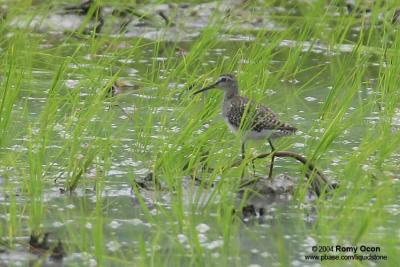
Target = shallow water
(135,143)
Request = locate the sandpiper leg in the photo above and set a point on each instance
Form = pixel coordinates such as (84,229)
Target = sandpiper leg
(270,143)
(271,167)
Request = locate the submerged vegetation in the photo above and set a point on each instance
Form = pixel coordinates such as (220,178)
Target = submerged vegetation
(107,158)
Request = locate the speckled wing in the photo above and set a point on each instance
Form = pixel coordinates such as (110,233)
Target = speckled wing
(260,117)
(266,119)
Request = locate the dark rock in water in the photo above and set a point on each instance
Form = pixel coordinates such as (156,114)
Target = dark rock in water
(39,243)
(280,184)
(58,252)
(249,211)
(263,193)
(149,182)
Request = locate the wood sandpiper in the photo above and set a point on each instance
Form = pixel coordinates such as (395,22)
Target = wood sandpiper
(251,120)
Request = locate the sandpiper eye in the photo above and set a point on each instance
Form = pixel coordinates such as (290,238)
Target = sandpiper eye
(222,80)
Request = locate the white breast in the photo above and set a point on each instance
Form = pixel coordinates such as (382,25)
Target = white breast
(258,135)
(250,134)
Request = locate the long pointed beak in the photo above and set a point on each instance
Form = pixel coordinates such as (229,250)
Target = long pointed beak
(205,88)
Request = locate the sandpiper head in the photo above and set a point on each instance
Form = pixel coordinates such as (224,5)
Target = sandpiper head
(226,82)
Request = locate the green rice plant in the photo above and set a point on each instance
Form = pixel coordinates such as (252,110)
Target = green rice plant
(348,62)
(9,94)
